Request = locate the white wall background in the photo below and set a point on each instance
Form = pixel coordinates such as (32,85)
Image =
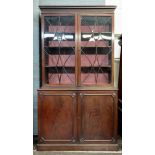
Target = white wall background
(117,30)
(71,2)
(118,14)
(118,23)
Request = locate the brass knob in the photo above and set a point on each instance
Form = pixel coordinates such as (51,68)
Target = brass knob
(81,139)
(73,140)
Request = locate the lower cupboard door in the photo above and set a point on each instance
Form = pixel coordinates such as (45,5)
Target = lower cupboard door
(56,118)
(97,118)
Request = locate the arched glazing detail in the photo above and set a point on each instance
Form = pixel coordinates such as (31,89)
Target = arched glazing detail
(96,50)
(59,50)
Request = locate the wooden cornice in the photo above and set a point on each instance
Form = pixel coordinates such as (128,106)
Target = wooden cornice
(78,7)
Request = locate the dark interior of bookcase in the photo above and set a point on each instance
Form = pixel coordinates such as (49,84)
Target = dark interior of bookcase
(96,50)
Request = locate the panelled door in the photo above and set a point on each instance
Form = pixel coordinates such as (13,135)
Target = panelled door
(81,116)
(57,117)
(98,117)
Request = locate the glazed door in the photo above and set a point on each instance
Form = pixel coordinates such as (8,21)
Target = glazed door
(96,50)
(56,112)
(58,49)
(98,117)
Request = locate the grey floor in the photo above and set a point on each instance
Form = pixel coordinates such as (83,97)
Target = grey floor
(35,152)
(77,152)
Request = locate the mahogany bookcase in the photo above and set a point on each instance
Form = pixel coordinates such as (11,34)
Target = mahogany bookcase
(77,100)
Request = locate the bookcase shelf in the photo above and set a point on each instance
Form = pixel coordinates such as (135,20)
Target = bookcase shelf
(71,29)
(61,44)
(83,44)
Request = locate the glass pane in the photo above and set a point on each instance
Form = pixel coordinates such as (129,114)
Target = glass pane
(96,50)
(59,48)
